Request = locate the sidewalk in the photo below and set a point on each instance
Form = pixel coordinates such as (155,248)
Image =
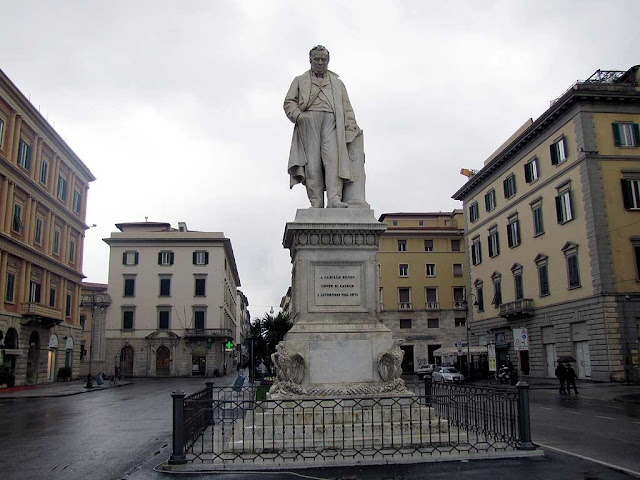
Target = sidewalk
(57,389)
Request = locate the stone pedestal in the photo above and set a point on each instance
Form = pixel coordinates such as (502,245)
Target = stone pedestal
(337,345)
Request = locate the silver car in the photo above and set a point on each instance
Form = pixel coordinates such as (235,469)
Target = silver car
(447,374)
(425,370)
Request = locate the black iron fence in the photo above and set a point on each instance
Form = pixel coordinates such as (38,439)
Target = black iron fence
(226,425)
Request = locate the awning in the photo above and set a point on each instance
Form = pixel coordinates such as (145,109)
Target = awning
(446,351)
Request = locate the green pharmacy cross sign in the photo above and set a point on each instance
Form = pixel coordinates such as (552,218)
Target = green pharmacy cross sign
(229,345)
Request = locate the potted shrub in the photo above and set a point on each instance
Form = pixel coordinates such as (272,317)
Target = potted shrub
(7,376)
(64,373)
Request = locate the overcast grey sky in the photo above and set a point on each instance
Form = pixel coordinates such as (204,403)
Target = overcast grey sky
(176,106)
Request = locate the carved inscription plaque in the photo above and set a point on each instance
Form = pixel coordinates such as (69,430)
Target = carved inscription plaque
(337,285)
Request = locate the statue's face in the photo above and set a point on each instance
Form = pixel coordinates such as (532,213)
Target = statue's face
(319,62)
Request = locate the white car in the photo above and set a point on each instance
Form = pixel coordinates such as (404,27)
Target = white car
(447,374)
(425,370)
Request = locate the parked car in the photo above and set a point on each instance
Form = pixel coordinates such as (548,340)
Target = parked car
(447,374)
(425,370)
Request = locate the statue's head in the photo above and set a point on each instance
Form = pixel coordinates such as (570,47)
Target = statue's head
(319,60)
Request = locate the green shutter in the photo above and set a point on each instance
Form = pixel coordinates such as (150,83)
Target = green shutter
(616,134)
(636,135)
(626,193)
(554,154)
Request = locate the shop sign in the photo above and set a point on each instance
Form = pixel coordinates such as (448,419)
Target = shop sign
(491,354)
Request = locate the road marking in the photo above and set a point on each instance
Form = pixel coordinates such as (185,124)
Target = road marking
(546,408)
(606,418)
(590,459)
(637,423)
(572,413)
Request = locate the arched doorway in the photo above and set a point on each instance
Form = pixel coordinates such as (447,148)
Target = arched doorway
(33,358)
(52,357)
(68,358)
(126,361)
(163,361)
(199,361)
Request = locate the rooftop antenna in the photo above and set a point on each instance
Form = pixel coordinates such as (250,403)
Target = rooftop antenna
(146,219)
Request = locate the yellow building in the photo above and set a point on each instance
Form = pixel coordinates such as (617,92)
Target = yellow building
(43,194)
(422,286)
(553,234)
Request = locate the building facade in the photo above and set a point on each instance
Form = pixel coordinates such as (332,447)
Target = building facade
(94,302)
(43,200)
(174,307)
(553,237)
(243,318)
(422,286)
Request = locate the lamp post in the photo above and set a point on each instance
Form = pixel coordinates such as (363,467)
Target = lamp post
(466,305)
(95,301)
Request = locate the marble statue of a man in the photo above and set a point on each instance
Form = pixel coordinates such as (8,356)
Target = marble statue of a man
(318,104)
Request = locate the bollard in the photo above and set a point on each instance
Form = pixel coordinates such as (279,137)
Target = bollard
(177,456)
(524,419)
(209,385)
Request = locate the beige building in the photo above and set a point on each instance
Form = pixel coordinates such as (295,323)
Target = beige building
(174,301)
(553,235)
(422,286)
(43,200)
(243,319)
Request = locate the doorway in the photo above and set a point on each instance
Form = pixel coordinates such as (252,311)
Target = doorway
(199,361)
(551,356)
(126,361)
(407,360)
(33,358)
(524,361)
(584,359)
(163,361)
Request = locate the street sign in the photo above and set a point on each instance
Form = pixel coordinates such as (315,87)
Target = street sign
(459,352)
(520,339)
(491,355)
(459,343)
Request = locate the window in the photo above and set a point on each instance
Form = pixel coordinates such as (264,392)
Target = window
(165,286)
(431,269)
(165,258)
(34,292)
(67,310)
(531,171)
(16,224)
(570,251)
(543,277)
(37,235)
(458,296)
(24,155)
(164,316)
(77,201)
(513,232)
(62,188)
(631,193)
(72,251)
(83,321)
(130,257)
(490,200)
(52,297)
(405,323)
(129,287)
(455,245)
(199,320)
(11,284)
(56,242)
(394,223)
(564,211)
(509,185)
(518,288)
(635,243)
(538,224)
(431,294)
(460,322)
(421,223)
(558,151)
(200,257)
(127,318)
(44,172)
(473,212)
(433,323)
(428,245)
(626,134)
(1,132)
(200,287)
(402,245)
(493,242)
(404,298)
(447,223)
(497,292)
(404,269)
(480,298)
(457,269)
(476,251)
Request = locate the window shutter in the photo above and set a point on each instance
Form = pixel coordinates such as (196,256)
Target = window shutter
(626,193)
(171,258)
(505,187)
(565,148)
(159,258)
(570,205)
(517,232)
(479,253)
(27,162)
(636,135)
(195,257)
(206,258)
(637,252)
(486,202)
(491,252)
(527,172)
(554,154)
(135,261)
(513,185)
(558,209)
(616,134)
(509,236)
(124,258)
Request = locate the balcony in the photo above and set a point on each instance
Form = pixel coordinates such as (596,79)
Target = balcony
(432,306)
(517,309)
(213,333)
(459,305)
(405,306)
(41,315)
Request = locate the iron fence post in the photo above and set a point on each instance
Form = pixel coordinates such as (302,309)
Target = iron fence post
(177,456)
(427,389)
(209,384)
(524,419)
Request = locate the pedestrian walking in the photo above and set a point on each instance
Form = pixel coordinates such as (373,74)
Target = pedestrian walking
(571,380)
(561,374)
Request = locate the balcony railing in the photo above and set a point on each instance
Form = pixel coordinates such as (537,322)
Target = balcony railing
(36,312)
(405,306)
(208,333)
(516,309)
(459,305)
(432,306)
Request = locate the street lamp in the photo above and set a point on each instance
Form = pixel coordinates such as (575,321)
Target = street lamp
(95,301)
(465,304)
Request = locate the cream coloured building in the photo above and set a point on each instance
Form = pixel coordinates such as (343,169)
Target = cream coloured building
(422,286)
(174,301)
(43,200)
(553,234)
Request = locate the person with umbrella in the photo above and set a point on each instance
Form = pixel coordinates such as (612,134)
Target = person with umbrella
(561,374)
(571,378)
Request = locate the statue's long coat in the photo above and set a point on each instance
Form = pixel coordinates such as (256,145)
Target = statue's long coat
(297,101)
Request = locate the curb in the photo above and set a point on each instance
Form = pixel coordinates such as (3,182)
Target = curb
(63,394)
